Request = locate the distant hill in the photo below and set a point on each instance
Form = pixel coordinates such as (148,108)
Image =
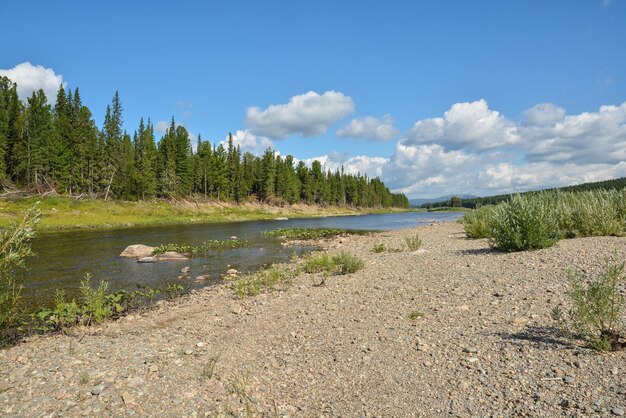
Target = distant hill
(419,202)
(472,202)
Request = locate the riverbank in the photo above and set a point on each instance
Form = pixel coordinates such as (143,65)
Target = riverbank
(481,342)
(60,213)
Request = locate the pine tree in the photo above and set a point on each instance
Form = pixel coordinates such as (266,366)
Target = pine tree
(145,160)
(182,158)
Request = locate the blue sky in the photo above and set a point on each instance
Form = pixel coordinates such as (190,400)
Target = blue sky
(434,97)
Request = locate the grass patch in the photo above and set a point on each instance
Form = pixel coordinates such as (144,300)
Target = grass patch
(413,243)
(68,213)
(415,315)
(342,263)
(205,247)
(380,248)
(272,278)
(208,369)
(307,233)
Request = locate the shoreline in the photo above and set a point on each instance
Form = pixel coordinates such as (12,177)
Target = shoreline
(64,214)
(482,344)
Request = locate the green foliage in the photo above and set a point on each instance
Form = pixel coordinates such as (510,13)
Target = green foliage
(538,220)
(415,315)
(308,233)
(379,247)
(206,246)
(272,278)
(14,249)
(597,305)
(476,223)
(95,305)
(413,243)
(342,263)
(523,223)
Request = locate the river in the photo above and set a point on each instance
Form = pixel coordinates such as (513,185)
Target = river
(63,258)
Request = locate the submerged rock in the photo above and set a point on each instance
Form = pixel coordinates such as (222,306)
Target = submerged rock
(137,251)
(281,219)
(171,256)
(147,260)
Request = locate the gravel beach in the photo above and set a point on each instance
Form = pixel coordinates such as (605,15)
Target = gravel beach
(482,343)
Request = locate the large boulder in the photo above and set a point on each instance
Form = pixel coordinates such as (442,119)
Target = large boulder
(137,251)
(171,256)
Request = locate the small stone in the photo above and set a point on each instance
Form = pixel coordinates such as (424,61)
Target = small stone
(568,379)
(127,398)
(236,310)
(617,411)
(189,352)
(153,368)
(463,308)
(232,272)
(185,269)
(22,359)
(519,321)
(97,390)
(470,350)
(200,344)
(4,387)
(422,347)
(136,381)
(498,294)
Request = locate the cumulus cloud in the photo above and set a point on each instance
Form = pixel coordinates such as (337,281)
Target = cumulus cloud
(465,125)
(473,149)
(369,128)
(30,78)
(544,114)
(307,114)
(249,142)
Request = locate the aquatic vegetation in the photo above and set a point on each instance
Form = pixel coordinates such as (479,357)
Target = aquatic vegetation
(307,233)
(206,246)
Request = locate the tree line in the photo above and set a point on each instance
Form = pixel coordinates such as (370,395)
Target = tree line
(613,184)
(60,148)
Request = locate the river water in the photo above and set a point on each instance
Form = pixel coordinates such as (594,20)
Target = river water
(63,258)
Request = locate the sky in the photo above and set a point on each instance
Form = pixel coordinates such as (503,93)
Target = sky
(435,98)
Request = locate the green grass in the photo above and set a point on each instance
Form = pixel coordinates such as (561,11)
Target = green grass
(415,315)
(379,248)
(276,277)
(413,243)
(206,246)
(310,233)
(342,263)
(66,213)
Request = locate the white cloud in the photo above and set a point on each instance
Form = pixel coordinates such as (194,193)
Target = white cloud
(465,125)
(369,128)
(30,78)
(307,114)
(544,114)
(249,142)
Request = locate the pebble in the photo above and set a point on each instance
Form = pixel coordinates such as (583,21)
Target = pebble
(617,411)
(127,398)
(97,390)
(470,349)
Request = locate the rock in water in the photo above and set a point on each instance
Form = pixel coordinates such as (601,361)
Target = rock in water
(147,260)
(171,256)
(232,272)
(137,251)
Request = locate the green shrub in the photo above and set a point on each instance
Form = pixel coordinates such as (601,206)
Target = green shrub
(597,305)
(415,315)
(523,223)
(347,263)
(379,248)
(14,249)
(413,243)
(320,263)
(476,223)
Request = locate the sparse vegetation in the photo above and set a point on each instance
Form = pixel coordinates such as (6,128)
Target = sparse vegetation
(415,315)
(272,278)
(379,248)
(208,369)
(342,263)
(413,243)
(307,233)
(206,246)
(596,306)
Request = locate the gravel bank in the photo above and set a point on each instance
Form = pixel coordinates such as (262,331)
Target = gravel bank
(484,345)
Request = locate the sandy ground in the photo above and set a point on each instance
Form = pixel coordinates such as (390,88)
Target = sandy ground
(484,346)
